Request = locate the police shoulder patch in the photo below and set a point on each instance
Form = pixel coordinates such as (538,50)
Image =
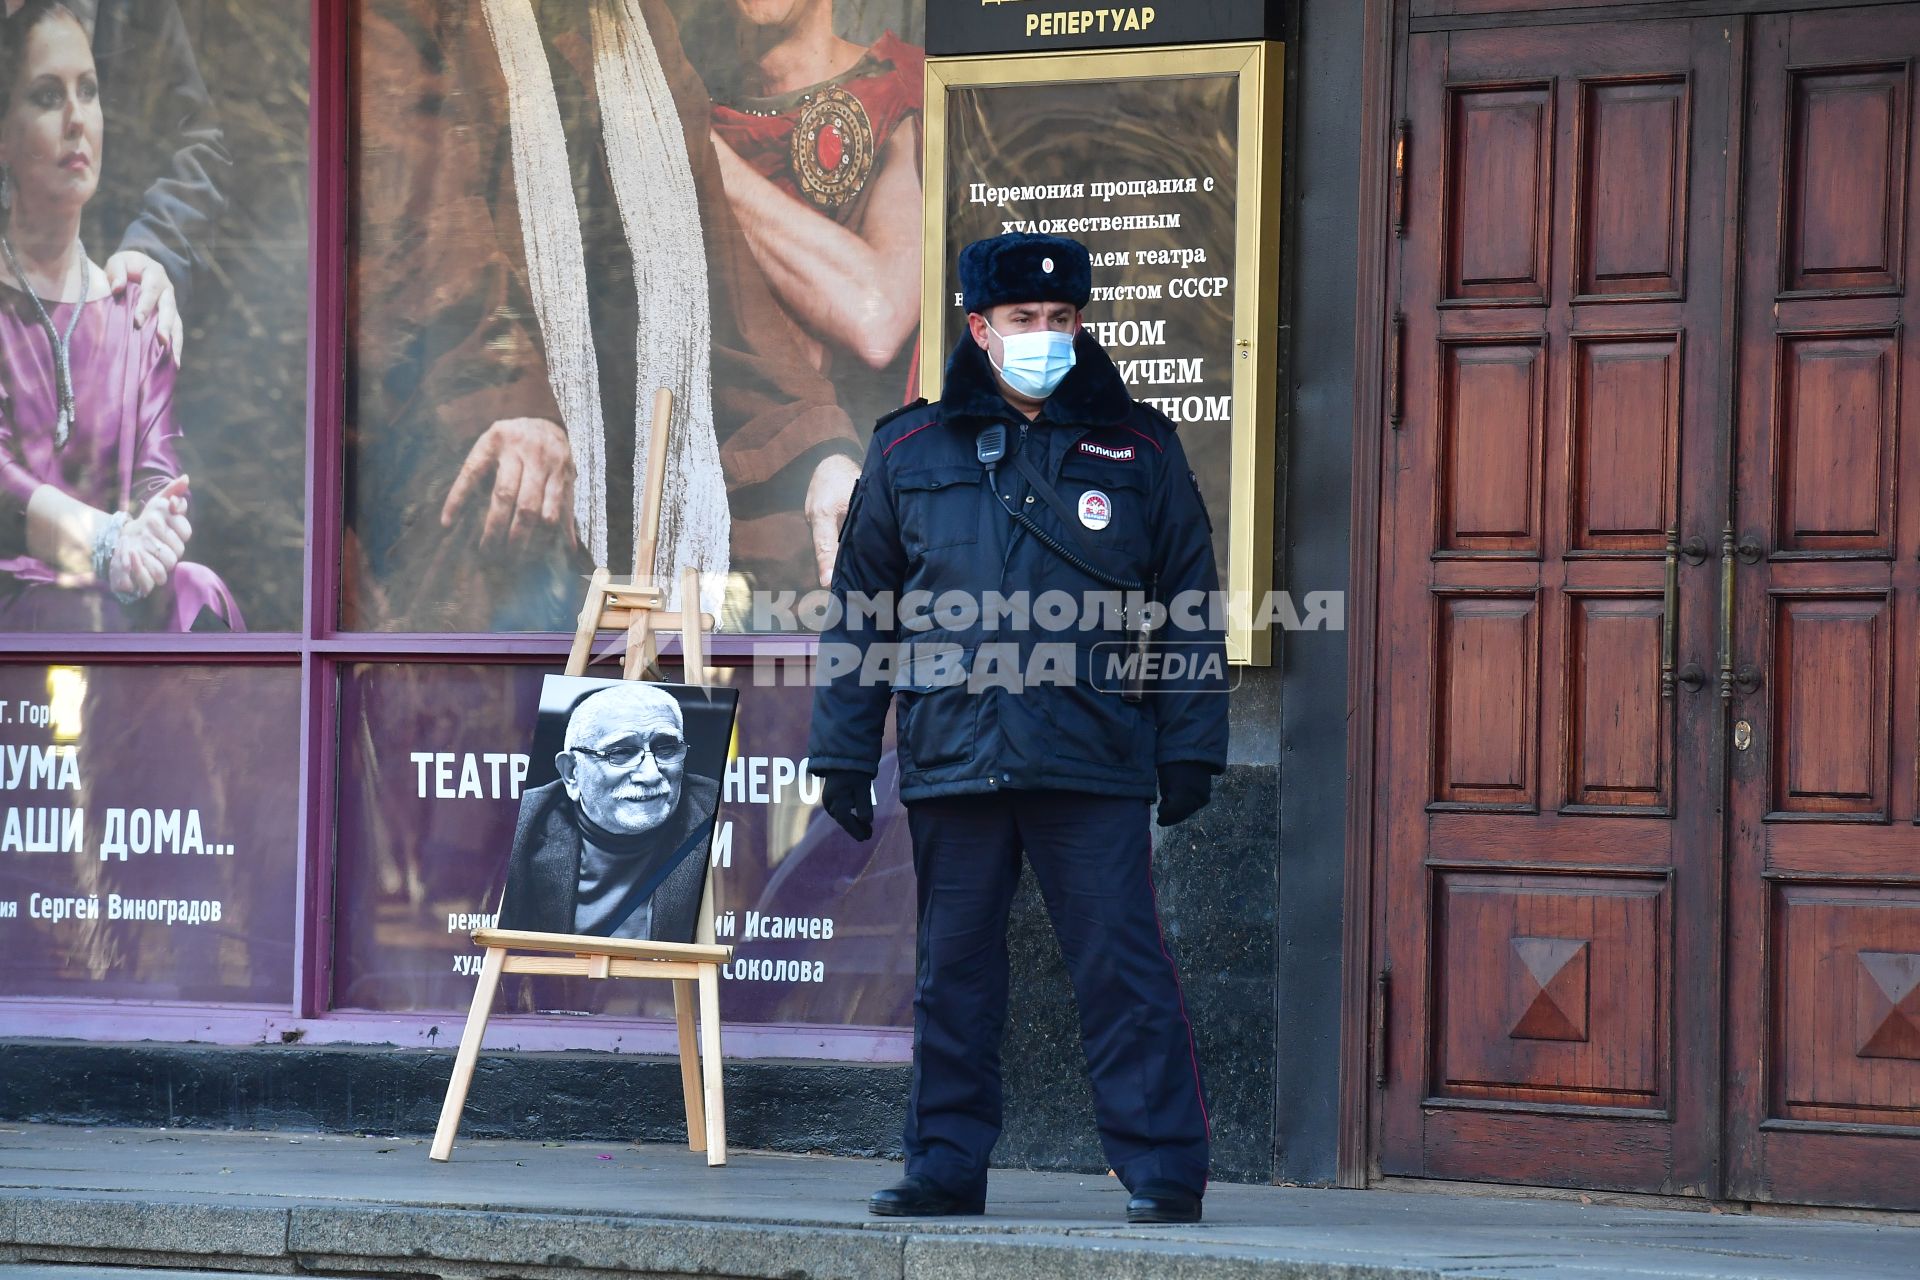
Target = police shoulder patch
(901,412)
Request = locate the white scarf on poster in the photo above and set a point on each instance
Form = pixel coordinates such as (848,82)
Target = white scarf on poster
(653,185)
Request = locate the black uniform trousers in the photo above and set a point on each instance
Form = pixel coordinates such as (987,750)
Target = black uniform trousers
(1091,855)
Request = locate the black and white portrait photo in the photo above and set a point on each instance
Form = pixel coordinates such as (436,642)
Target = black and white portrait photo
(615,844)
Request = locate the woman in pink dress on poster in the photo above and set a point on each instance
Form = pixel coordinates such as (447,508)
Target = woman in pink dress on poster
(93,506)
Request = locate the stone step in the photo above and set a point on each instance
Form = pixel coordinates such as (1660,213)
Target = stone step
(94,1271)
(87,1203)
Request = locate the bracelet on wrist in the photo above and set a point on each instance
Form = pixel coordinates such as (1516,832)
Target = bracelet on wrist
(105,543)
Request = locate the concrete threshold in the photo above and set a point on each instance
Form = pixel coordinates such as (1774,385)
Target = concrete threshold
(77,1202)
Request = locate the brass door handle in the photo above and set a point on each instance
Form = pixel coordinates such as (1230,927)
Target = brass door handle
(1693,551)
(1748,678)
(1669,617)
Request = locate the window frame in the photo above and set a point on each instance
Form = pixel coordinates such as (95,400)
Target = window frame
(319,651)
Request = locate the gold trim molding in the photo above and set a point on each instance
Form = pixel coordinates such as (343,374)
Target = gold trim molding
(1258,66)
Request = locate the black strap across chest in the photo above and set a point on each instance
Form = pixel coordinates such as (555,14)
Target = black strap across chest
(1069,520)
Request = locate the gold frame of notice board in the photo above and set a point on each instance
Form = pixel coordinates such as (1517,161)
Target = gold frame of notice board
(1259,66)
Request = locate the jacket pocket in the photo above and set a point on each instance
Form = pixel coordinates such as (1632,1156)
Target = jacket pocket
(937,715)
(1118,527)
(1096,726)
(939,507)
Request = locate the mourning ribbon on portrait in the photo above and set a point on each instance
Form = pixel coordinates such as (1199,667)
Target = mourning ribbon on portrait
(626,846)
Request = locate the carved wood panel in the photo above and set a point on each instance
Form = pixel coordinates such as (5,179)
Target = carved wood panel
(1621,951)
(1493,411)
(1499,199)
(1486,740)
(1633,188)
(1551,989)
(1847,1005)
(1545,802)
(1618,725)
(1626,440)
(1832,716)
(1836,441)
(1824,914)
(1846,189)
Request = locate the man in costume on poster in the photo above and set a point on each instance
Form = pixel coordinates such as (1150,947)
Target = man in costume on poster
(819,141)
(1037,475)
(609,849)
(543,246)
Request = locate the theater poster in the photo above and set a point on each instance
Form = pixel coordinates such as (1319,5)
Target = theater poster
(560,206)
(153,316)
(1165,163)
(445,788)
(148,829)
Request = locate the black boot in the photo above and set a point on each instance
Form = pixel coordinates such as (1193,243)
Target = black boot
(916,1197)
(1157,1201)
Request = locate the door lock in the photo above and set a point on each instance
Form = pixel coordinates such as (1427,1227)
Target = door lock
(1742,735)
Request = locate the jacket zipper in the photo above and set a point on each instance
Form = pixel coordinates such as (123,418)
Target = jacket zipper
(1014,531)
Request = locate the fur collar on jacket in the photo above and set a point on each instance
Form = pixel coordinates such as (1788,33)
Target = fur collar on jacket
(1093,394)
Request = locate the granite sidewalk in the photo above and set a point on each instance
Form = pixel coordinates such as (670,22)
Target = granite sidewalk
(80,1203)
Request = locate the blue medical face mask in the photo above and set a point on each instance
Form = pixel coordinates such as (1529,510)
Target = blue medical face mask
(1036,363)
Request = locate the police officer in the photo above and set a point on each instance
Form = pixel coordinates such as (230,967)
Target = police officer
(1036,480)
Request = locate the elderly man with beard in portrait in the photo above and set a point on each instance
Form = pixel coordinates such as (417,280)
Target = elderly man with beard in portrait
(610,850)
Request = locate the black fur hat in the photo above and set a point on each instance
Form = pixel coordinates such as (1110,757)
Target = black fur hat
(1025,268)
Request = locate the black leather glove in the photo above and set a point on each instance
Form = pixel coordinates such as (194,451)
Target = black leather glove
(1185,788)
(848,798)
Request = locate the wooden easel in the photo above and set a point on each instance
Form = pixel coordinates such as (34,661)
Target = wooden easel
(639,607)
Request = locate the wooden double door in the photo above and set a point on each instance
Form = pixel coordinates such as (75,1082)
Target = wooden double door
(1647,799)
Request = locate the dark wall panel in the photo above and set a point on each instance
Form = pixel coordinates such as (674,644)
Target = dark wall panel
(1324,218)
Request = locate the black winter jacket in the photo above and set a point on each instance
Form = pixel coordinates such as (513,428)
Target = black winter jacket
(925,519)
